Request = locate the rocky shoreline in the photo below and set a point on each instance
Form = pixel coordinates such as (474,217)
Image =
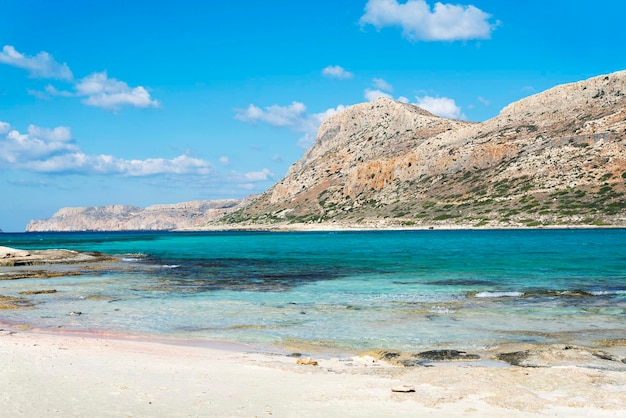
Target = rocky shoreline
(10,257)
(525,356)
(15,264)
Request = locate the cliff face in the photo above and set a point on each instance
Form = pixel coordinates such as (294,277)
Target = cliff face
(188,215)
(558,157)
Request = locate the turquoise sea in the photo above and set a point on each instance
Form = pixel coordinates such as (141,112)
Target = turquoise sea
(337,291)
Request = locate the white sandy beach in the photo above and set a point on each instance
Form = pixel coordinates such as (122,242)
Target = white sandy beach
(61,375)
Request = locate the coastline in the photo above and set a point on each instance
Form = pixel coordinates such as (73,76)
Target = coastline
(347,227)
(73,375)
(339,226)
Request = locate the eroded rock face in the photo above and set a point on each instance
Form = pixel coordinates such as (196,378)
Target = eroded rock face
(558,157)
(187,215)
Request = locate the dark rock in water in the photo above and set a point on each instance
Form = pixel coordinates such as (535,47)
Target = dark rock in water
(38,292)
(10,302)
(461,282)
(447,355)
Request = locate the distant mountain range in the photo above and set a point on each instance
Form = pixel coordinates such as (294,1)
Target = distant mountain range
(187,215)
(557,158)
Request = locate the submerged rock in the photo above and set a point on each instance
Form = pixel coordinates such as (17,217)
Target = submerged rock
(11,302)
(38,292)
(35,274)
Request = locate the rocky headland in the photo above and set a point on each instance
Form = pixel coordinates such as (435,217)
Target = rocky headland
(554,159)
(557,158)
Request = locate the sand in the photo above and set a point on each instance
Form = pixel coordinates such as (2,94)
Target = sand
(74,375)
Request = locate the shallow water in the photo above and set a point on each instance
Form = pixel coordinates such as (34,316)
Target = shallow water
(406,290)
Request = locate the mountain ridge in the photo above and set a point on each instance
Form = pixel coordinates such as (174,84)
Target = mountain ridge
(553,159)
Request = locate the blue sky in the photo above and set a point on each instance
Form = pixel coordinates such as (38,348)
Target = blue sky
(147,102)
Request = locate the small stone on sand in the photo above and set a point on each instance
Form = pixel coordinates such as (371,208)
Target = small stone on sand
(307,361)
(403,389)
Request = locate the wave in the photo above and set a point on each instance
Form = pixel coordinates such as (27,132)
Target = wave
(133,257)
(545,293)
(607,292)
(505,294)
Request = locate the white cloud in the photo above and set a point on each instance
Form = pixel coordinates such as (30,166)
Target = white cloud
(371,94)
(109,93)
(58,134)
(381,90)
(4,127)
(53,91)
(445,22)
(225,160)
(294,116)
(256,176)
(247,180)
(81,163)
(38,143)
(336,71)
(183,164)
(274,115)
(440,106)
(41,65)
(484,101)
(381,84)
(55,151)
(97,89)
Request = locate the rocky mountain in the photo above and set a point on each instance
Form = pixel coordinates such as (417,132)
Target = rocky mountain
(188,215)
(555,158)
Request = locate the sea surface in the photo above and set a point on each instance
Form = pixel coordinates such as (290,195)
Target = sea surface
(341,291)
